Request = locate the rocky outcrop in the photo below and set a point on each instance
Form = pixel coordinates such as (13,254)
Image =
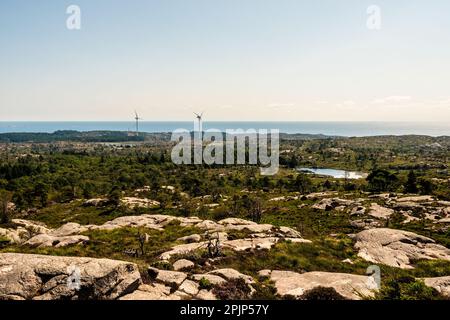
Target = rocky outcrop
(155,291)
(133,202)
(189,287)
(167,277)
(39,277)
(416,199)
(365,223)
(441,284)
(23,231)
(263,236)
(182,249)
(96,202)
(191,238)
(182,264)
(36,234)
(357,211)
(230,274)
(47,240)
(246,244)
(380,212)
(329,204)
(353,287)
(318,195)
(175,285)
(213,279)
(397,248)
(325,204)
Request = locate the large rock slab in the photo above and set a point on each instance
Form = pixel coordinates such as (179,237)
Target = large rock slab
(47,240)
(24,230)
(182,249)
(189,287)
(441,284)
(380,212)
(134,202)
(416,199)
(353,287)
(69,229)
(230,274)
(213,279)
(31,276)
(155,291)
(33,226)
(397,248)
(183,264)
(191,238)
(167,277)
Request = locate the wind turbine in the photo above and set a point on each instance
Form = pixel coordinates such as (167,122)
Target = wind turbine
(137,122)
(199,118)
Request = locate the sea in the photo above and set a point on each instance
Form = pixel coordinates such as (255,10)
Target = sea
(348,129)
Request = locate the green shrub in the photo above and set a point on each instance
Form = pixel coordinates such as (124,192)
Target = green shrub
(205,284)
(4,242)
(406,288)
(322,293)
(162,265)
(264,291)
(234,289)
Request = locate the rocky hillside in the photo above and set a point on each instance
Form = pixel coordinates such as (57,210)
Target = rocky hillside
(194,266)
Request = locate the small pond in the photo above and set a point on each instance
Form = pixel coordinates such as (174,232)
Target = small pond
(335,173)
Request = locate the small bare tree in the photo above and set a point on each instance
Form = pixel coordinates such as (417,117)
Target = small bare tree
(214,247)
(256,210)
(141,239)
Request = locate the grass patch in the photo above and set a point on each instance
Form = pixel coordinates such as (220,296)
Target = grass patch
(325,255)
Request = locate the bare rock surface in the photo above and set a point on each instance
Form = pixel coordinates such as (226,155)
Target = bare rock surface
(350,286)
(416,199)
(397,248)
(31,276)
(261,236)
(441,284)
(69,229)
(228,274)
(182,264)
(213,279)
(189,287)
(154,291)
(133,202)
(380,212)
(365,223)
(183,249)
(205,295)
(167,277)
(191,238)
(47,240)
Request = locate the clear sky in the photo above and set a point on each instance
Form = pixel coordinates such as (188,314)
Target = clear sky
(235,59)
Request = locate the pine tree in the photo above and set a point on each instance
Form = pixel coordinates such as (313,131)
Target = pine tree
(411,183)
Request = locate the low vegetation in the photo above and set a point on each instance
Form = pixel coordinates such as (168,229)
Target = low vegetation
(51,183)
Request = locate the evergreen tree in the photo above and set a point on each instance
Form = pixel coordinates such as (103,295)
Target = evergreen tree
(411,183)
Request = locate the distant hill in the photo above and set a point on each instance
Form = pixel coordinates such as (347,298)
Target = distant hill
(69,135)
(123,136)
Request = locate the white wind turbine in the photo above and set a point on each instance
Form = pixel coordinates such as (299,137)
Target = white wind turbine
(199,118)
(137,118)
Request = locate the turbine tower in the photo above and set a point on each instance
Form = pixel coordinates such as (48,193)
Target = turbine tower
(137,122)
(199,118)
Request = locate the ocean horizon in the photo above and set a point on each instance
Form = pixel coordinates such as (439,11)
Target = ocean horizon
(329,128)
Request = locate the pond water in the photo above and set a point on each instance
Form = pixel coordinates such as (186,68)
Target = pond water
(335,173)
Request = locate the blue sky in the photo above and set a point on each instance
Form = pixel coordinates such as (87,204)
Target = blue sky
(237,60)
